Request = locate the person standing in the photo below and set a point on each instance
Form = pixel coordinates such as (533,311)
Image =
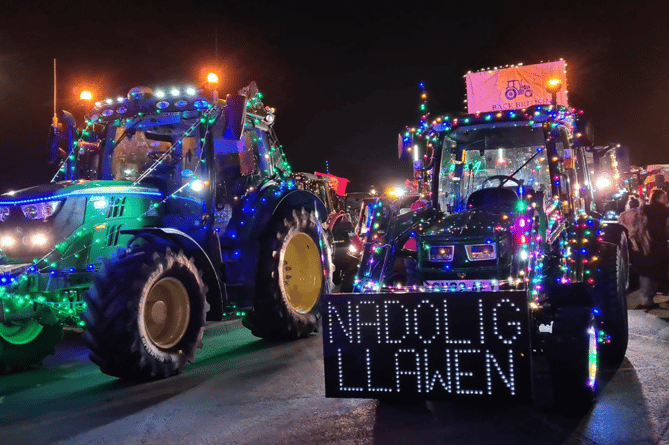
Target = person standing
(629,218)
(631,213)
(651,235)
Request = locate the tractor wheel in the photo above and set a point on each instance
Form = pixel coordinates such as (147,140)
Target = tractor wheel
(291,277)
(610,297)
(24,344)
(572,357)
(145,314)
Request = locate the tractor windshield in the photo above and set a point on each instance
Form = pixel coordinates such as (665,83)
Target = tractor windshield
(488,156)
(157,148)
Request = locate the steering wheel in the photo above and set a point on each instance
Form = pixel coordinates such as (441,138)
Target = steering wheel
(155,155)
(502,180)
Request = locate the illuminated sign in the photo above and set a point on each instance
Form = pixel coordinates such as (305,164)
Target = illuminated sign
(431,346)
(513,88)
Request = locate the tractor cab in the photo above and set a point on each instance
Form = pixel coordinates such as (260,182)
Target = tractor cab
(492,166)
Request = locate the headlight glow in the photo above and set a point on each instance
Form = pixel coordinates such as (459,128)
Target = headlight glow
(39,239)
(198,186)
(7,241)
(603,182)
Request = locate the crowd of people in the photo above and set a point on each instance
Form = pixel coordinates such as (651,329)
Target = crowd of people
(648,228)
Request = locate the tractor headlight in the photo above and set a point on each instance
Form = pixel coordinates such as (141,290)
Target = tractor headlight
(4,213)
(40,210)
(39,239)
(441,253)
(7,241)
(480,252)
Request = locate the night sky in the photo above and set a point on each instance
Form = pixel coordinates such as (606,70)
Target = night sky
(343,77)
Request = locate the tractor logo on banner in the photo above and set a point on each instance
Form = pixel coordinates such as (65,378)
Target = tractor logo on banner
(514,88)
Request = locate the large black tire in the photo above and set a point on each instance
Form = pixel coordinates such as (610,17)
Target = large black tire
(610,297)
(291,277)
(145,314)
(348,280)
(24,344)
(571,353)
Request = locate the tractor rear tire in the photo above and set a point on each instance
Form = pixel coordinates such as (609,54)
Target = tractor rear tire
(294,270)
(572,358)
(610,297)
(145,314)
(24,344)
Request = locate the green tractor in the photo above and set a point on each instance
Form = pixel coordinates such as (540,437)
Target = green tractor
(168,210)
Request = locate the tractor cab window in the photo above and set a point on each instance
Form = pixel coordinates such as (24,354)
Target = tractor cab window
(157,151)
(489,156)
(89,163)
(236,162)
(135,154)
(269,156)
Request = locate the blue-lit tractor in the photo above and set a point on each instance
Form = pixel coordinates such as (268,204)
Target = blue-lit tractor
(169,209)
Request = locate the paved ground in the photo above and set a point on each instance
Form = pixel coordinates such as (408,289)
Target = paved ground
(245,391)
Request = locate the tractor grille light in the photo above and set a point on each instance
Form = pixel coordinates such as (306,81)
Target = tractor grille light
(481,252)
(39,239)
(441,253)
(7,241)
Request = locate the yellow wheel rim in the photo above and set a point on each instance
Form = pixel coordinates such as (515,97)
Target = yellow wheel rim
(301,273)
(166,312)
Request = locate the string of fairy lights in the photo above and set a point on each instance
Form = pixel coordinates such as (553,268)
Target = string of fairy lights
(579,261)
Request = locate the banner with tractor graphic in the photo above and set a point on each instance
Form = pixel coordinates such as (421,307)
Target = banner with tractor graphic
(513,88)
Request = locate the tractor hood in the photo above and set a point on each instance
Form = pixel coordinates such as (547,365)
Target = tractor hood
(66,189)
(470,223)
(34,220)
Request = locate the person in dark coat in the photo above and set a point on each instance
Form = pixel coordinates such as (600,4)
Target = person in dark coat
(651,234)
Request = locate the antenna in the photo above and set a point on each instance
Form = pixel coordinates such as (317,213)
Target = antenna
(55,113)
(216,49)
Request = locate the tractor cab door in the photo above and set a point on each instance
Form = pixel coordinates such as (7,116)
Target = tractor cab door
(240,164)
(585,180)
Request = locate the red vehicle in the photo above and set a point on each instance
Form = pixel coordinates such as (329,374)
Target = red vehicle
(347,245)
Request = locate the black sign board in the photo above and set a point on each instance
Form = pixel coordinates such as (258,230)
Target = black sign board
(431,346)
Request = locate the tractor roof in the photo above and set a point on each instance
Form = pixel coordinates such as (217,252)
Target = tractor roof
(145,101)
(525,116)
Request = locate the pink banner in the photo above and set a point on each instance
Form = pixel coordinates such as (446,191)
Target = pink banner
(336,183)
(514,88)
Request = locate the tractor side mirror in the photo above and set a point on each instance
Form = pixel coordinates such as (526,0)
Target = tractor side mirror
(235,117)
(403,147)
(585,133)
(55,152)
(62,129)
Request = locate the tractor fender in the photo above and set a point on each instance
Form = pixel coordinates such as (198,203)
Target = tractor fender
(240,243)
(172,237)
(612,233)
(257,209)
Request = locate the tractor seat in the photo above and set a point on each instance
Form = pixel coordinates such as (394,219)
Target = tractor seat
(496,197)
